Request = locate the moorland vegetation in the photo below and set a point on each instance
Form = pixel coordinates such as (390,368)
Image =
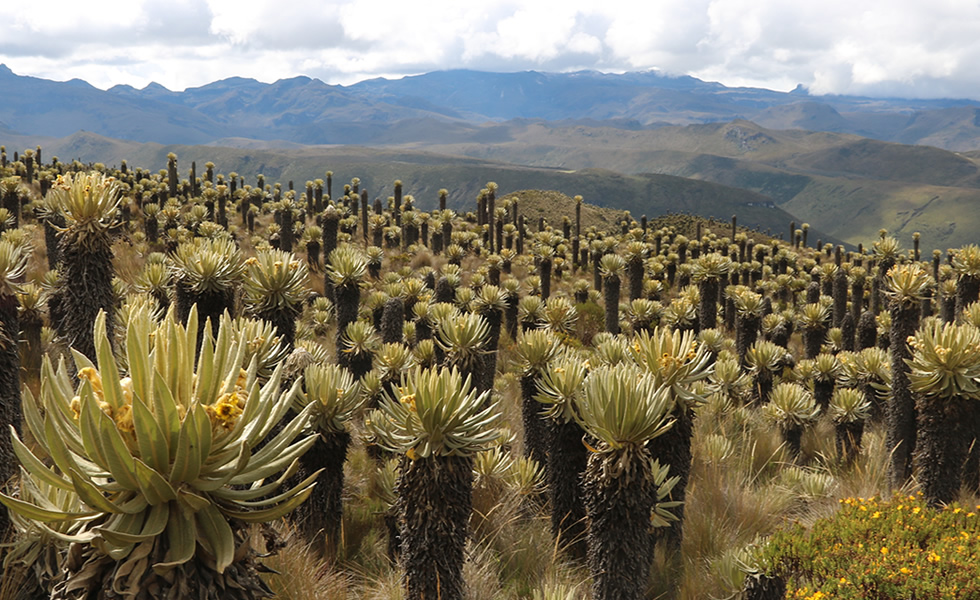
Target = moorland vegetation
(213,389)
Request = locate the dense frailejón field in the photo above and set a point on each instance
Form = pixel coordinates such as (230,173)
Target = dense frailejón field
(220,389)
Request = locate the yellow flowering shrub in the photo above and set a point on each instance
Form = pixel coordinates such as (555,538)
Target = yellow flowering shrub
(888,550)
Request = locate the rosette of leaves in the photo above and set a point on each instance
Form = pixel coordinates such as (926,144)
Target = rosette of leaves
(814,319)
(89,205)
(334,397)
(643,315)
(155,279)
(707,273)
(681,314)
(849,410)
(489,302)
(275,288)
(870,371)
(530,310)
(462,340)
(713,341)
(791,408)
(764,360)
(261,344)
(674,358)
(559,316)
(945,375)
(164,461)
(728,380)
(826,370)
(345,273)
(438,422)
(358,345)
(748,319)
(34,556)
(676,361)
(559,385)
(391,361)
(207,273)
(31,300)
(621,408)
(966,264)
(634,254)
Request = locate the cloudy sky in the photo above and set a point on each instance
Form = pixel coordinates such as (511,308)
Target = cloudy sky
(910,48)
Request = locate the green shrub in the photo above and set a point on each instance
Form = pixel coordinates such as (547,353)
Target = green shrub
(881,549)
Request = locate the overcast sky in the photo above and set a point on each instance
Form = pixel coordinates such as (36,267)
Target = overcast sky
(910,48)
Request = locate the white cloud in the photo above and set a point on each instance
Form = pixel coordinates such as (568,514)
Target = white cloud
(834,46)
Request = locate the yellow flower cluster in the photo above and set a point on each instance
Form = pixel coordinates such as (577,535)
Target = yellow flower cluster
(123,416)
(226,409)
(229,406)
(804,593)
(409,401)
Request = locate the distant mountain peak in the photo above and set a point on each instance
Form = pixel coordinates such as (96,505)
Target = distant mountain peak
(5,70)
(155,87)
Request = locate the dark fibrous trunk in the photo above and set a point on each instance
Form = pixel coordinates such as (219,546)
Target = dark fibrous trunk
(567,461)
(822,392)
(618,508)
(813,338)
(848,440)
(435,496)
(320,516)
(944,438)
(210,305)
(708,305)
(10,405)
(746,333)
(634,270)
(392,320)
(86,273)
(867,331)
(763,587)
(536,428)
(611,296)
(674,448)
(284,321)
(900,414)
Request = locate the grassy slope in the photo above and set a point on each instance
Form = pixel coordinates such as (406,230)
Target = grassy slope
(842,184)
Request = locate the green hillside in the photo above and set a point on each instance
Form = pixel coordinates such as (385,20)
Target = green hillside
(847,186)
(425,173)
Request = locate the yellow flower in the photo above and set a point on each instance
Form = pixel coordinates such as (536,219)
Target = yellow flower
(876,515)
(904,570)
(93,378)
(126,383)
(243,374)
(226,410)
(409,401)
(411,454)
(933,557)
(124,418)
(76,406)
(884,550)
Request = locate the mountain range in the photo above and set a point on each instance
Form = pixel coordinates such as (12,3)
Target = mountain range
(643,142)
(464,104)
